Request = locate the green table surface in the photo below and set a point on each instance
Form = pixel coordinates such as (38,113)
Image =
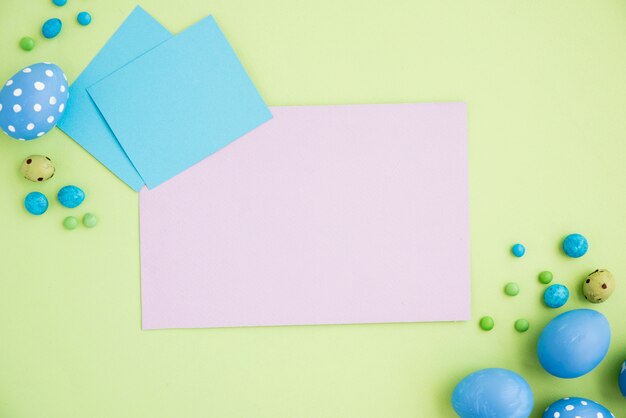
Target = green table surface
(545,84)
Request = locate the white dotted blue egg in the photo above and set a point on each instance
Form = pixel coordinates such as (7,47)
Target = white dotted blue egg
(33,100)
(576,408)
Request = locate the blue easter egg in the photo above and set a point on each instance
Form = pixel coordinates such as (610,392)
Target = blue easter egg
(51,28)
(71,196)
(622,379)
(518,250)
(556,295)
(576,408)
(36,203)
(32,101)
(493,393)
(574,343)
(575,245)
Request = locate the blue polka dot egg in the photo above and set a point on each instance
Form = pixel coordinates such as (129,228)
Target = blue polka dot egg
(576,408)
(32,101)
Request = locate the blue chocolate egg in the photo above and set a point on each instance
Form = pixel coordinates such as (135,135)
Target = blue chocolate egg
(576,408)
(493,393)
(556,295)
(575,245)
(574,343)
(71,196)
(32,101)
(36,203)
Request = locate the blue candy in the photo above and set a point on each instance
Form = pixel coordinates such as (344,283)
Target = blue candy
(575,245)
(51,28)
(518,250)
(576,408)
(493,393)
(71,196)
(84,18)
(574,343)
(556,295)
(36,203)
(33,100)
(59,2)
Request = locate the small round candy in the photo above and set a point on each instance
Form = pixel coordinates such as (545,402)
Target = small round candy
(51,28)
(556,295)
(59,2)
(84,18)
(518,250)
(37,168)
(599,286)
(36,203)
(522,325)
(546,277)
(575,245)
(71,196)
(486,323)
(70,222)
(90,220)
(511,289)
(27,43)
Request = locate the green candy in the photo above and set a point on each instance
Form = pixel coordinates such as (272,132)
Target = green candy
(522,325)
(27,43)
(90,220)
(511,289)
(70,222)
(545,277)
(486,323)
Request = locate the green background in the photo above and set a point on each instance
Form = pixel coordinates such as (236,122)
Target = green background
(545,83)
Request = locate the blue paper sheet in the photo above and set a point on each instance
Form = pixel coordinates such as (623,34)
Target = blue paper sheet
(82,120)
(180,102)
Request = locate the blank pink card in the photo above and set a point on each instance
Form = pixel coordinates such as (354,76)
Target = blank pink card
(323,215)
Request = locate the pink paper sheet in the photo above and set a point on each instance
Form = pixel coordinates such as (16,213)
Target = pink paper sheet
(323,215)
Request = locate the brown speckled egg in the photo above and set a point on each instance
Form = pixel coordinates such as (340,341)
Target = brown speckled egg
(599,286)
(37,168)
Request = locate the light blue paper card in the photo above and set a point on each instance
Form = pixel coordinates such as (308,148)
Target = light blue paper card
(82,120)
(180,102)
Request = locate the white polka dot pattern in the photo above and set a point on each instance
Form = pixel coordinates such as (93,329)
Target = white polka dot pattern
(32,101)
(576,408)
